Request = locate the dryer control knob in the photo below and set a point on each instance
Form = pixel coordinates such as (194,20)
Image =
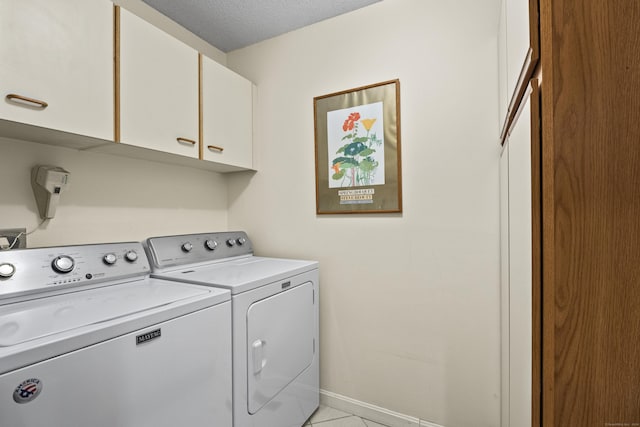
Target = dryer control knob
(210,244)
(231,242)
(7,270)
(131,256)
(63,264)
(110,259)
(186,247)
(241,241)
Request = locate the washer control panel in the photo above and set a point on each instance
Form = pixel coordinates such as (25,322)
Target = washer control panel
(25,271)
(171,251)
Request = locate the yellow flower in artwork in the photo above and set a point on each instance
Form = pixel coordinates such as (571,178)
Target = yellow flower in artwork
(368,123)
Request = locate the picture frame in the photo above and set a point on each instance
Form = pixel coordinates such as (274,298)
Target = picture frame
(357,150)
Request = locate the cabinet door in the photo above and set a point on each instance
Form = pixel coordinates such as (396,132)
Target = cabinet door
(227,115)
(60,53)
(517,40)
(504,285)
(520,270)
(503,90)
(158,89)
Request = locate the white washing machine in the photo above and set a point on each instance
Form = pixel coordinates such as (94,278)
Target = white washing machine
(87,338)
(274,316)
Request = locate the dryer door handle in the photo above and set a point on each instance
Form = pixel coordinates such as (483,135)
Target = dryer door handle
(259,360)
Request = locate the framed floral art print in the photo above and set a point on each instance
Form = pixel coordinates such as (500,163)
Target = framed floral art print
(357,148)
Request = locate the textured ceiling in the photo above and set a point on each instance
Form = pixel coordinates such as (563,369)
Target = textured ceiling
(233,24)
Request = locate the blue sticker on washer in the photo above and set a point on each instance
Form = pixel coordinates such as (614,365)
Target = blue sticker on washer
(27,390)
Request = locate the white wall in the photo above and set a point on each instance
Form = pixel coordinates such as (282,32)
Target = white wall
(410,302)
(110,199)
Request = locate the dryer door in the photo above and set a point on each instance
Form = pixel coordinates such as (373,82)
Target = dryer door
(280,331)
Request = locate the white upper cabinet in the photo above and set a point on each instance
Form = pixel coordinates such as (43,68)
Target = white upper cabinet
(503,91)
(518,43)
(227,116)
(517,55)
(57,65)
(158,89)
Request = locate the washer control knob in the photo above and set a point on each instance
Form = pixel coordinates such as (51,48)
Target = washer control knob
(131,256)
(210,244)
(231,242)
(110,259)
(63,264)
(186,247)
(241,241)
(7,270)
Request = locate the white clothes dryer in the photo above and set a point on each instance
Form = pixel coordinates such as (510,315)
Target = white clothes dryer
(274,319)
(87,338)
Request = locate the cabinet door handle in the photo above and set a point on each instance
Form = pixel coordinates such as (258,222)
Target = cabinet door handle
(215,148)
(36,102)
(187,141)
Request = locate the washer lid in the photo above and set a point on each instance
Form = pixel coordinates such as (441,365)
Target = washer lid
(31,320)
(241,274)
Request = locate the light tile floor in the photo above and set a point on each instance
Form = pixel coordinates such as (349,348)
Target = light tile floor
(326,416)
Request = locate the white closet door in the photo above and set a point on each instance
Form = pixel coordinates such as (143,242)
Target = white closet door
(158,89)
(227,116)
(517,40)
(59,52)
(520,270)
(504,284)
(503,85)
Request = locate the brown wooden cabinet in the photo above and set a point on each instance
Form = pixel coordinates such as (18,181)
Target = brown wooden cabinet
(590,65)
(585,199)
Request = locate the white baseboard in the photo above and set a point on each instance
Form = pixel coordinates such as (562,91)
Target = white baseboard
(371,412)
